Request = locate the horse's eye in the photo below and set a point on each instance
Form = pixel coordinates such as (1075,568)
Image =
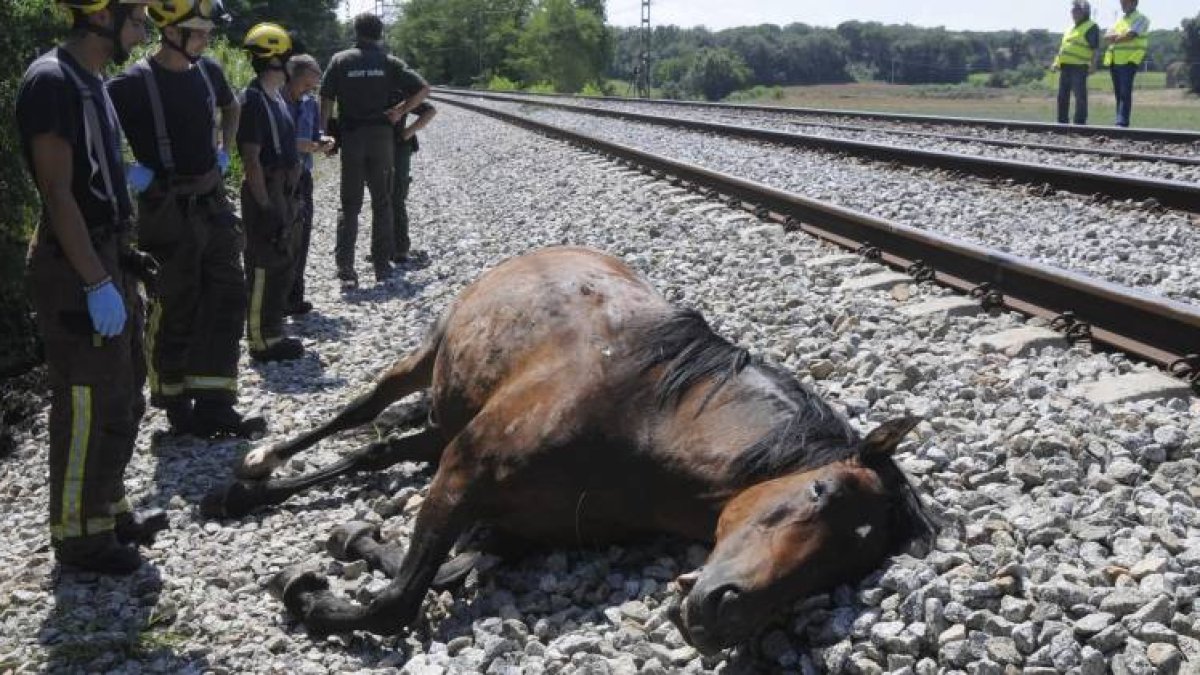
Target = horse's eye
(818,490)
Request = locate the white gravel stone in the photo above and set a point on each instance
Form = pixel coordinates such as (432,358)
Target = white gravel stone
(484,192)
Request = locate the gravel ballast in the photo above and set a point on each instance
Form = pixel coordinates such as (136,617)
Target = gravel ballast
(1072,536)
(892,132)
(1124,242)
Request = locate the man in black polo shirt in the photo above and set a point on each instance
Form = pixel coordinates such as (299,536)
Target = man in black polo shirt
(86,298)
(359,81)
(168,104)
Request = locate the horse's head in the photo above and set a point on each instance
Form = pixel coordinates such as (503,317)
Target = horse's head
(797,535)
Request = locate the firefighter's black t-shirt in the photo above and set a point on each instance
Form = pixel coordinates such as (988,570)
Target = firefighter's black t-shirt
(267,122)
(49,101)
(187,108)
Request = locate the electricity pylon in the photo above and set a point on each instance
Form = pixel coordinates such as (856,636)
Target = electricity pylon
(642,73)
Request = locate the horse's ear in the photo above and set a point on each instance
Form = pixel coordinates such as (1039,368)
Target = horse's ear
(882,441)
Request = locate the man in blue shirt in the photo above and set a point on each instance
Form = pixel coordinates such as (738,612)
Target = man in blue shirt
(304,77)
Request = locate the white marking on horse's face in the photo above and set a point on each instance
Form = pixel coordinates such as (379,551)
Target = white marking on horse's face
(863,531)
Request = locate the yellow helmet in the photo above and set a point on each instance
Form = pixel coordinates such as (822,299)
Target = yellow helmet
(200,14)
(267,41)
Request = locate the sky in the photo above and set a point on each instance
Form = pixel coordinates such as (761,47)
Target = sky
(953,14)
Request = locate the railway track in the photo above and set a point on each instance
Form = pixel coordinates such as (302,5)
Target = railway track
(1151,328)
(1173,136)
(1171,193)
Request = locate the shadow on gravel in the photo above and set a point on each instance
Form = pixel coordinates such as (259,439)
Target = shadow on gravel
(304,375)
(100,623)
(189,467)
(396,287)
(21,397)
(320,327)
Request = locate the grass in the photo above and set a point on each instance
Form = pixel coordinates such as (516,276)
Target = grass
(1153,105)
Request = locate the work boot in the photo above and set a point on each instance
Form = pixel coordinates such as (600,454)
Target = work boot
(348,278)
(99,553)
(383,272)
(212,419)
(139,527)
(415,256)
(287,349)
(179,414)
(299,308)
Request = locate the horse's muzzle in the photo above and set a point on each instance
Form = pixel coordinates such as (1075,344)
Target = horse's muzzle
(710,618)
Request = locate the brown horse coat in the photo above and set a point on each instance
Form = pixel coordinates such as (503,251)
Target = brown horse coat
(572,404)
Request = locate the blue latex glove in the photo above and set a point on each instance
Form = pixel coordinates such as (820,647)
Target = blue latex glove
(107,310)
(223,161)
(139,177)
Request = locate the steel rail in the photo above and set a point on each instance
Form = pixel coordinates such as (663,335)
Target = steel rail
(1171,193)
(1149,327)
(1153,135)
(1124,155)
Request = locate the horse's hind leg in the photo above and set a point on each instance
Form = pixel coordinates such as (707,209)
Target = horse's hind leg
(455,499)
(441,519)
(243,496)
(360,540)
(411,374)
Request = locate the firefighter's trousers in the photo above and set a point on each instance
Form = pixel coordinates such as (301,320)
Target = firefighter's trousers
(96,390)
(272,241)
(198,309)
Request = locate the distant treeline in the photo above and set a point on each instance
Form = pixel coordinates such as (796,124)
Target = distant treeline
(802,54)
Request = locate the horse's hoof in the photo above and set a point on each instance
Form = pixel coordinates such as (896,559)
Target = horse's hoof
(257,465)
(291,584)
(212,506)
(341,541)
(230,501)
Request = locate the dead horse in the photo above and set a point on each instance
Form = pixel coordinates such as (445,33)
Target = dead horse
(571,403)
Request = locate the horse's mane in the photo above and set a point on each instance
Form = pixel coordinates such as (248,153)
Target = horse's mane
(812,436)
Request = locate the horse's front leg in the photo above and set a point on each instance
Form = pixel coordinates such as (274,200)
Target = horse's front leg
(240,497)
(442,518)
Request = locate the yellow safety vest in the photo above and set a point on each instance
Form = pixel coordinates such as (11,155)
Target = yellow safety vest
(1075,50)
(1131,52)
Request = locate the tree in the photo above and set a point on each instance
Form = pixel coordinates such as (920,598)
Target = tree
(564,45)
(460,41)
(717,73)
(1191,46)
(314,22)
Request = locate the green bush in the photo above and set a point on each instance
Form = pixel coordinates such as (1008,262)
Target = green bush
(541,88)
(590,89)
(757,93)
(1027,75)
(30,28)
(501,83)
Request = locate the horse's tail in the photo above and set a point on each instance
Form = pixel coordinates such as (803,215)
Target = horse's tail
(410,374)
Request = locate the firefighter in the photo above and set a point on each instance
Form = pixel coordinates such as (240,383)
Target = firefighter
(81,274)
(271,199)
(180,116)
(358,81)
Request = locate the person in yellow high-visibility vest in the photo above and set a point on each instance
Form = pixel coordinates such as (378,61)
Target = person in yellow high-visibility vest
(1075,60)
(1124,54)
